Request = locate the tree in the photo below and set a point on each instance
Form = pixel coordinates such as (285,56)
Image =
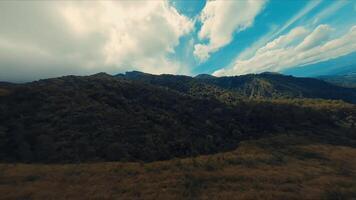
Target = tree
(116,151)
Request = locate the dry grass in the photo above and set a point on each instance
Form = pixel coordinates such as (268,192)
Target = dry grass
(253,171)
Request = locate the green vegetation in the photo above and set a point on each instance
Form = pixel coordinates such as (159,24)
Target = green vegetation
(103,118)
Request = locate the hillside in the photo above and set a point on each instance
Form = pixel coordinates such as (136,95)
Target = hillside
(280,86)
(105,118)
(174,137)
(265,85)
(99,117)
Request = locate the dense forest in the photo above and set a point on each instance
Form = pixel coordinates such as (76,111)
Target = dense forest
(144,117)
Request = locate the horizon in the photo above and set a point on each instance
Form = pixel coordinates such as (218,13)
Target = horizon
(160,74)
(40,40)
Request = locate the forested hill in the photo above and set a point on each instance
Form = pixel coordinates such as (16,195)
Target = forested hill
(102,117)
(265,85)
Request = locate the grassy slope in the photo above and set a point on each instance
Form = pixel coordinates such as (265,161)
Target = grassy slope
(280,167)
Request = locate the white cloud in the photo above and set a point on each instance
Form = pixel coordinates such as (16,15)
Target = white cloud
(92,36)
(221,19)
(317,37)
(315,47)
(285,40)
(249,52)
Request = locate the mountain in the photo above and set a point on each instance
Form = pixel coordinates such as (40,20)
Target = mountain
(73,118)
(345,80)
(265,85)
(204,76)
(280,86)
(146,117)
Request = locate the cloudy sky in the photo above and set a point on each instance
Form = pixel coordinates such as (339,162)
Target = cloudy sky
(41,39)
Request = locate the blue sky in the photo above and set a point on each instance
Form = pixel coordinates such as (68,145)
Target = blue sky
(276,18)
(41,39)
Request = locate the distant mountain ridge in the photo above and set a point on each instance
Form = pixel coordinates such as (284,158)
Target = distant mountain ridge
(344,80)
(265,85)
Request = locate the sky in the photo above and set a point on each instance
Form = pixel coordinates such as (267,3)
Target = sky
(42,39)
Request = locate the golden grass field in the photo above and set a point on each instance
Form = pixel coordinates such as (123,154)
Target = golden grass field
(279,167)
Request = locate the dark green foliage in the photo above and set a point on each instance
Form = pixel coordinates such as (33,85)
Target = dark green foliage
(101,117)
(117,151)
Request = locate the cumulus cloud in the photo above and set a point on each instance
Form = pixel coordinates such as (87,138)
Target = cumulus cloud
(315,46)
(43,39)
(221,19)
